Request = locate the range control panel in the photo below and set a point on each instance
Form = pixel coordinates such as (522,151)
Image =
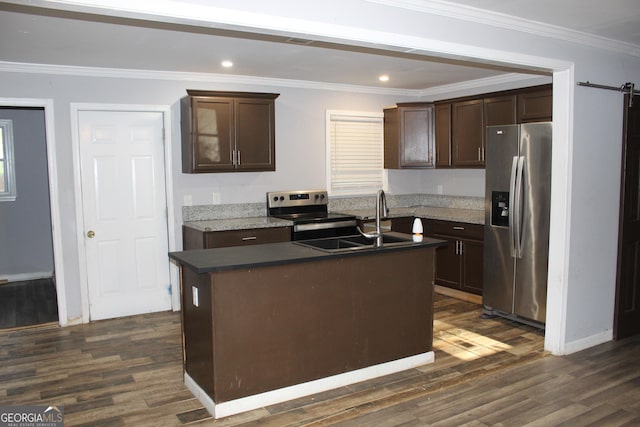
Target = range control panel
(279,199)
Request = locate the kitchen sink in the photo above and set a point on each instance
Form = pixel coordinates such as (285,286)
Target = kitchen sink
(386,238)
(355,243)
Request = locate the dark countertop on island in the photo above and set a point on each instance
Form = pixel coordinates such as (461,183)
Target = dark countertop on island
(239,257)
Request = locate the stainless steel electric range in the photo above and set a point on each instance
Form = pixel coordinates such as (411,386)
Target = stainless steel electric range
(308,210)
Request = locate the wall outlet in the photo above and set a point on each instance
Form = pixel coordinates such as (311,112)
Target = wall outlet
(187,200)
(216,198)
(196,300)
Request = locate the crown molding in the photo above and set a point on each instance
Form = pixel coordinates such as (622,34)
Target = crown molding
(482,84)
(66,70)
(509,22)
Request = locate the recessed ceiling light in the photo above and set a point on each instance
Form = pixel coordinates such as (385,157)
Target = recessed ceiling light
(227,64)
(384,78)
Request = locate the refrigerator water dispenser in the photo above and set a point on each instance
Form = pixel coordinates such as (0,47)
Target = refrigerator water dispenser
(500,208)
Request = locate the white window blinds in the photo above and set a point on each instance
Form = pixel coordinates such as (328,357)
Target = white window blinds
(355,152)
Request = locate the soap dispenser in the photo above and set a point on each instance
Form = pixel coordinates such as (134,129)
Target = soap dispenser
(417,230)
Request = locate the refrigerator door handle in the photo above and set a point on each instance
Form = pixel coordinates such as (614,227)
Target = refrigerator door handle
(518,214)
(512,205)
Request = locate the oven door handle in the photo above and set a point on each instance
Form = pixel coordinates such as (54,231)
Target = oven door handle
(324,225)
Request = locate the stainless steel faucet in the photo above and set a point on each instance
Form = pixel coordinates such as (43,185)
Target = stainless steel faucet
(381,212)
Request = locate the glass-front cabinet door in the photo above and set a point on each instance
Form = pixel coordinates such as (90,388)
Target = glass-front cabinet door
(213,136)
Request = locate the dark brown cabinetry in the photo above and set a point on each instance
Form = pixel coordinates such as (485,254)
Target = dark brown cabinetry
(460,123)
(408,136)
(467,133)
(443,135)
(459,264)
(196,239)
(535,106)
(500,110)
(228,132)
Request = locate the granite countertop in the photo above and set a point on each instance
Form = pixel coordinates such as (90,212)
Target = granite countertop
(471,216)
(238,223)
(253,256)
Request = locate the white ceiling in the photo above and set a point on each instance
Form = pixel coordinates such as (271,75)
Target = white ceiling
(57,37)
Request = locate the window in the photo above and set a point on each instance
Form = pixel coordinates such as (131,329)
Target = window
(355,152)
(7,174)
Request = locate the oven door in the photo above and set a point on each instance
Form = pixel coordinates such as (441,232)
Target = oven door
(320,230)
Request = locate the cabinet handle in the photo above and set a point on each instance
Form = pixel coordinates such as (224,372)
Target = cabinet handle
(244,239)
(479,154)
(457,246)
(483,154)
(461,247)
(233,157)
(458,228)
(238,157)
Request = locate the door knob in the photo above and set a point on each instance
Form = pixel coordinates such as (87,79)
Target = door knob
(91,234)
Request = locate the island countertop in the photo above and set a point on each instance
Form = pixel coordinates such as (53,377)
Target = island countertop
(241,257)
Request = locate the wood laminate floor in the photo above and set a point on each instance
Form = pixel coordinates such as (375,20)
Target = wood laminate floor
(28,303)
(487,372)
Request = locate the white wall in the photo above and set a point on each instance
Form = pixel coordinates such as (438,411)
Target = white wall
(587,131)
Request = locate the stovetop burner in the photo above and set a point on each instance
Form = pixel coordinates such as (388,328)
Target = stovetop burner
(312,217)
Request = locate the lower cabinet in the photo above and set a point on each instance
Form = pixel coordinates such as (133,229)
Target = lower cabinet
(459,264)
(196,239)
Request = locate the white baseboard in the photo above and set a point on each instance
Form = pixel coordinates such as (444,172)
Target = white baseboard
(590,341)
(26,276)
(224,409)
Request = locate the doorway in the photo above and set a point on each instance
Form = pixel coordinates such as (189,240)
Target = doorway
(27,286)
(124,237)
(627,308)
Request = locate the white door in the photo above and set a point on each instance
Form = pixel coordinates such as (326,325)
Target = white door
(124,208)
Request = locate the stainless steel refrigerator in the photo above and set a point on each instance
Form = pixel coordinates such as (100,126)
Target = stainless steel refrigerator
(516,239)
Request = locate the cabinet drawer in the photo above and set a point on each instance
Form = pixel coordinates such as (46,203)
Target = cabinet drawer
(256,236)
(457,229)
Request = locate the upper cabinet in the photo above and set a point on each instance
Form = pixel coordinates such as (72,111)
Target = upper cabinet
(500,110)
(460,123)
(535,106)
(228,132)
(467,133)
(408,136)
(443,135)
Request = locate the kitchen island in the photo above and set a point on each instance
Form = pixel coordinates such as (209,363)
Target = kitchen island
(269,323)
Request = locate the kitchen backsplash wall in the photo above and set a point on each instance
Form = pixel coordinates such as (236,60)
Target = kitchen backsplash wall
(249,210)
(408,200)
